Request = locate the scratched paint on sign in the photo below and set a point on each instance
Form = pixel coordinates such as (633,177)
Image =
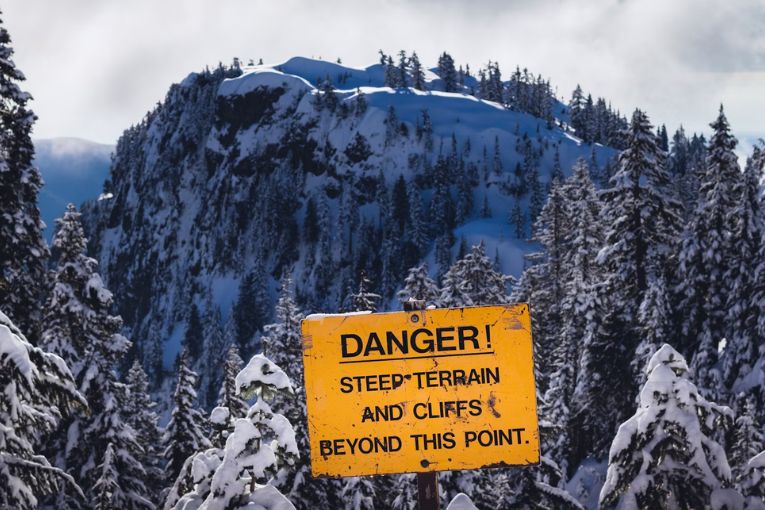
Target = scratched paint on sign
(428,390)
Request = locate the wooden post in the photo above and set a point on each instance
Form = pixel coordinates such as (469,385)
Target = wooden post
(427,483)
(427,491)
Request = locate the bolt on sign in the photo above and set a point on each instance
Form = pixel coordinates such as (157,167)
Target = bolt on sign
(427,390)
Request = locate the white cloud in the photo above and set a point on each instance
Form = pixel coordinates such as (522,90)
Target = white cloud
(95,67)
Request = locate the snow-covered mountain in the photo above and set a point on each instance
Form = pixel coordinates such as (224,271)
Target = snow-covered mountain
(257,170)
(73,170)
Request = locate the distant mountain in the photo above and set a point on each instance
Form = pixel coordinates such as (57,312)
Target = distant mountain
(74,171)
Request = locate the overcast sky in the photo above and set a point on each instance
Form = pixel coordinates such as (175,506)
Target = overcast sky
(95,67)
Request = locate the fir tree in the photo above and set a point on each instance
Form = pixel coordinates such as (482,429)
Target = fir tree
(78,325)
(447,73)
(576,105)
(392,128)
(663,139)
(228,399)
(283,344)
(550,230)
(142,417)
(107,490)
(565,299)
(747,440)
(536,200)
(664,456)
(185,433)
(360,105)
(405,492)
(403,70)
(427,130)
(752,483)
(391,73)
(644,218)
(66,319)
(364,299)
(238,475)
(218,339)
(358,150)
(497,161)
(528,489)
(250,311)
(419,286)
(36,389)
(655,319)
(193,340)
(418,76)
(359,493)
(326,97)
(583,209)
(311,222)
(485,208)
(400,205)
(23,251)
(705,257)
(108,428)
(418,234)
(473,281)
(557,171)
(599,407)
(517,220)
(743,305)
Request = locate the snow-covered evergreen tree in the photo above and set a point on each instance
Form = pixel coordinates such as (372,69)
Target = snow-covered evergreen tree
(283,344)
(23,251)
(218,338)
(237,476)
(363,299)
(752,483)
(250,311)
(655,319)
(418,76)
(447,72)
(141,415)
(705,256)
(527,489)
(571,254)
(603,393)
(664,456)
(36,389)
(744,306)
(228,399)
(642,217)
(473,281)
(185,434)
(419,286)
(404,492)
(78,325)
(193,340)
(107,428)
(67,329)
(359,493)
(748,439)
(107,490)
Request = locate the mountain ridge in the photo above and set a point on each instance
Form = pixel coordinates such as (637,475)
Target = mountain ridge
(216,183)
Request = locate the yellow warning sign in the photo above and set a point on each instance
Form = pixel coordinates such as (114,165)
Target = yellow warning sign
(428,390)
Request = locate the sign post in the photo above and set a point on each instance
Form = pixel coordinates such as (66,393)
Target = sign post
(420,391)
(428,497)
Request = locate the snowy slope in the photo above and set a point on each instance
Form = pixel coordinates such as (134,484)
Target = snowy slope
(214,184)
(73,170)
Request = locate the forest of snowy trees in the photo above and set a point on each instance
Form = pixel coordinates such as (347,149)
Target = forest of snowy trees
(647,295)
